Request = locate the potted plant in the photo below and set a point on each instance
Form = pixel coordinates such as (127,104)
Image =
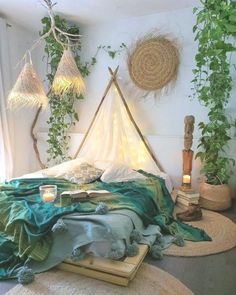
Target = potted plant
(216,23)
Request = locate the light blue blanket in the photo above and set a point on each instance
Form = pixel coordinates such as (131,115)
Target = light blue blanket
(84,231)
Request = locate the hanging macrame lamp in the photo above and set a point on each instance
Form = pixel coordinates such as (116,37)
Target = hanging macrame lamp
(28,90)
(68,78)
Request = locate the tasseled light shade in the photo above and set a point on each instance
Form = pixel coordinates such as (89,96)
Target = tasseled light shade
(68,78)
(28,90)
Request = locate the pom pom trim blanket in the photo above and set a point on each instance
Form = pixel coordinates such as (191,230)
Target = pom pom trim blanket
(26,221)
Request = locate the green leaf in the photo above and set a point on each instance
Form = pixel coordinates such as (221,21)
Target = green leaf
(212,84)
(112,54)
(230,28)
(232,16)
(76,116)
(195,10)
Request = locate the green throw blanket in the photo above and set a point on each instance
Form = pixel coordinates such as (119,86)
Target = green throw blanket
(26,221)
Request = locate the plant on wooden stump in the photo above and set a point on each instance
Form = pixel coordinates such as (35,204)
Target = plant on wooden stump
(216,23)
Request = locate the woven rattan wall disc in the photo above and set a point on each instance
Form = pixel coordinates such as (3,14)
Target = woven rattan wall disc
(153,63)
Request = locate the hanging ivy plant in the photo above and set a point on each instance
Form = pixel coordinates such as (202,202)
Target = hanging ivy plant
(63,114)
(111,52)
(216,23)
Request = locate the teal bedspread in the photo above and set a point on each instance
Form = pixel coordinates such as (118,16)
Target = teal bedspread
(26,222)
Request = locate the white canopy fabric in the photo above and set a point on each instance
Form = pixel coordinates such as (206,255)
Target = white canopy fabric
(113,135)
(114,138)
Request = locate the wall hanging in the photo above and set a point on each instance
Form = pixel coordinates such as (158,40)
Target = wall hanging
(153,63)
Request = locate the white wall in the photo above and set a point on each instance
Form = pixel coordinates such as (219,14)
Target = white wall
(20,40)
(162,117)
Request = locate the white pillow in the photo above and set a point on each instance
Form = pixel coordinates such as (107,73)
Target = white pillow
(120,173)
(74,171)
(57,170)
(62,169)
(103,165)
(84,173)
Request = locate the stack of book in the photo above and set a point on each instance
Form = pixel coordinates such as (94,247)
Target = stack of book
(184,198)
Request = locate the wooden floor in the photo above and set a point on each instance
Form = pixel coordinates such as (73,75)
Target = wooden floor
(209,275)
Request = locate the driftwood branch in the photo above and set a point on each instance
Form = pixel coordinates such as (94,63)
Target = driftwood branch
(35,140)
(113,74)
(71,39)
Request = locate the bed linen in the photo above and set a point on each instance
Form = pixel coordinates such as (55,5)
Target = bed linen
(95,234)
(26,222)
(111,170)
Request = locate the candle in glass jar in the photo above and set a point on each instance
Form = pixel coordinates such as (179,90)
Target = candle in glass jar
(48,197)
(186,179)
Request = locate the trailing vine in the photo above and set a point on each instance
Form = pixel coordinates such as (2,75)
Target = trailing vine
(63,114)
(216,23)
(111,52)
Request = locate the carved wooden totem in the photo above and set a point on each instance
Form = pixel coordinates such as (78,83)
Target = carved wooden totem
(188,141)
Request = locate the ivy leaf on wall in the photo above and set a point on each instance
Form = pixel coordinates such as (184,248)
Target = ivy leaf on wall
(230,28)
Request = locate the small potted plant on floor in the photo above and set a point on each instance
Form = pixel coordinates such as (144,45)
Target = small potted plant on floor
(216,23)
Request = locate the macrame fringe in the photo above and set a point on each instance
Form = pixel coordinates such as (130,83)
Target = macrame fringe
(101,208)
(25,275)
(179,241)
(59,227)
(156,252)
(136,236)
(132,250)
(117,251)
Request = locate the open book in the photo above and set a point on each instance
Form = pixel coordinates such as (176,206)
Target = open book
(78,195)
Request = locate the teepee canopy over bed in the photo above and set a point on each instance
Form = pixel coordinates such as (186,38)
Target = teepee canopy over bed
(113,135)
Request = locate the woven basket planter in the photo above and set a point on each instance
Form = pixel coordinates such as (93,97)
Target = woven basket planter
(215,197)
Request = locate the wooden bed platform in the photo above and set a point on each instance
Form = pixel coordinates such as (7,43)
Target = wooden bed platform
(116,272)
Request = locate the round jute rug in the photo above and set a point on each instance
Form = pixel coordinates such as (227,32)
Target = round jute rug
(220,228)
(149,280)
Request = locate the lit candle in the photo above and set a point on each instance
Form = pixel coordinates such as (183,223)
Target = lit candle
(48,193)
(186,179)
(48,197)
